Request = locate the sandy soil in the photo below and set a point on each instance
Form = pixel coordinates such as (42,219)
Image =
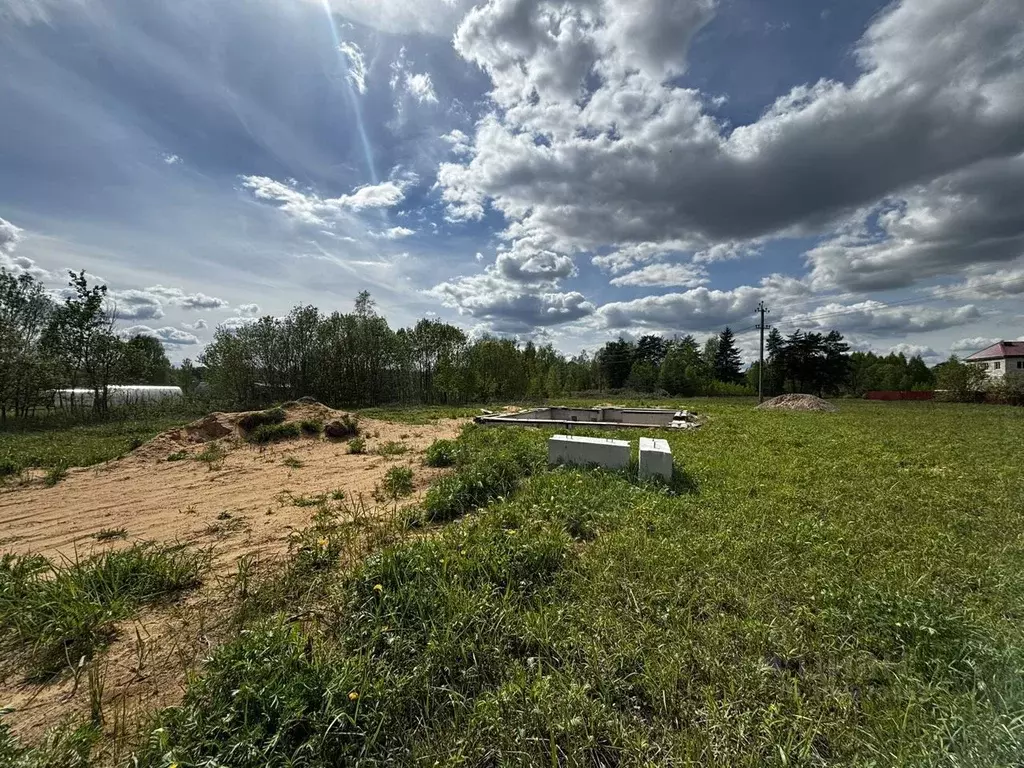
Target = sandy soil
(158,500)
(154,499)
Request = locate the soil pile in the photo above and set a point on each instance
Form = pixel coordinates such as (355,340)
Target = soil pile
(218,426)
(797,403)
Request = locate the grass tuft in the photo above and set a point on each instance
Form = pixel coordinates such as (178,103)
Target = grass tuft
(55,474)
(273,433)
(357,445)
(256,419)
(110,534)
(293,462)
(392,448)
(54,614)
(311,427)
(397,484)
(440,453)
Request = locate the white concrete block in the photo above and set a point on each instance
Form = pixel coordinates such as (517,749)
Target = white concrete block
(587,451)
(655,458)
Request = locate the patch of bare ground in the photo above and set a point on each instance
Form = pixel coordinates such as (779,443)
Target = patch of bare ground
(204,486)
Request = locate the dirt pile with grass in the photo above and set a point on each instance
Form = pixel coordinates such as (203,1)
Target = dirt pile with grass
(797,403)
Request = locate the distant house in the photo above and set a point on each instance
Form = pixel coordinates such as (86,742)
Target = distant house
(1005,358)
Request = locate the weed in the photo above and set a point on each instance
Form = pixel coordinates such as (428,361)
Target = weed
(178,456)
(272,433)
(338,494)
(397,484)
(311,427)
(55,474)
(308,501)
(110,534)
(8,467)
(53,614)
(256,419)
(440,453)
(392,448)
(135,442)
(225,515)
(293,462)
(67,745)
(357,445)
(212,454)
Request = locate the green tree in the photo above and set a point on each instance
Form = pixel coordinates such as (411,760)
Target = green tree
(727,366)
(145,362)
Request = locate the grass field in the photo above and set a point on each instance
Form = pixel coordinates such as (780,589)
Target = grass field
(83,445)
(813,589)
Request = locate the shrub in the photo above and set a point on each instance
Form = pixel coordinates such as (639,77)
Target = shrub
(397,484)
(212,453)
(251,421)
(311,427)
(178,456)
(441,453)
(8,467)
(293,462)
(392,448)
(357,445)
(109,534)
(273,433)
(52,615)
(340,429)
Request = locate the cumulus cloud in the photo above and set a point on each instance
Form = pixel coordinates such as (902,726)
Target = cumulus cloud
(198,325)
(593,144)
(172,159)
(458,141)
(876,318)
(136,305)
(972,344)
(249,310)
(396,233)
(418,86)
(179,298)
(309,208)
(234,323)
(676,275)
(167,335)
(356,74)
(998,284)
(10,235)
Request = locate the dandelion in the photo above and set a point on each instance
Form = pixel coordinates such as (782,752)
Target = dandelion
(322,541)
(353,696)
(378,588)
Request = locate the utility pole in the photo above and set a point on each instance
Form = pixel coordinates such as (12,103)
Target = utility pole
(762,310)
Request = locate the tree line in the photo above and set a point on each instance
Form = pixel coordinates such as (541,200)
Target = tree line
(356,359)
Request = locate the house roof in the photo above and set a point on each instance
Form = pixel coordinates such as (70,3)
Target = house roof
(999,350)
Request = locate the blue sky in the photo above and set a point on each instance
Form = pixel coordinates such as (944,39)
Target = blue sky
(564,171)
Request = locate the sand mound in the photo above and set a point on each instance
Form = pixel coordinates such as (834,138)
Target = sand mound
(796,403)
(220,426)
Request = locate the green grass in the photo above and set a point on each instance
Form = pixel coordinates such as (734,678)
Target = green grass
(392,448)
(256,419)
(54,475)
(397,484)
(311,427)
(293,462)
(828,589)
(45,446)
(440,453)
(357,445)
(273,433)
(111,534)
(52,614)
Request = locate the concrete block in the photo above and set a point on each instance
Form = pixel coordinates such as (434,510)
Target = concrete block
(587,451)
(655,458)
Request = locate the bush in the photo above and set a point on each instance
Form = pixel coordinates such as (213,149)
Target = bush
(52,615)
(357,445)
(441,453)
(55,474)
(311,427)
(273,433)
(256,419)
(397,484)
(392,448)
(343,428)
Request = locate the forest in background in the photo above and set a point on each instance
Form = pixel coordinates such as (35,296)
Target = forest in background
(357,359)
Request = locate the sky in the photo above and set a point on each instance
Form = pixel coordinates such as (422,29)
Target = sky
(568,172)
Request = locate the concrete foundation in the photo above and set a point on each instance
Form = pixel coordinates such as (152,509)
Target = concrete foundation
(655,459)
(594,418)
(588,451)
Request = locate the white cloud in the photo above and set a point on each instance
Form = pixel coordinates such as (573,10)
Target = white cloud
(973,344)
(914,350)
(234,323)
(198,325)
(10,235)
(876,318)
(997,284)
(179,298)
(396,233)
(356,74)
(167,335)
(590,145)
(136,305)
(172,159)
(248,310)
(310,208)
(458,141)
(681,275)
(421,88)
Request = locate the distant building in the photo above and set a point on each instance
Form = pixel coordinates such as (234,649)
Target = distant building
(1005,358)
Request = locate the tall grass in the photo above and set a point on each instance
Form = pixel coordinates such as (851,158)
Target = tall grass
(53,614)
